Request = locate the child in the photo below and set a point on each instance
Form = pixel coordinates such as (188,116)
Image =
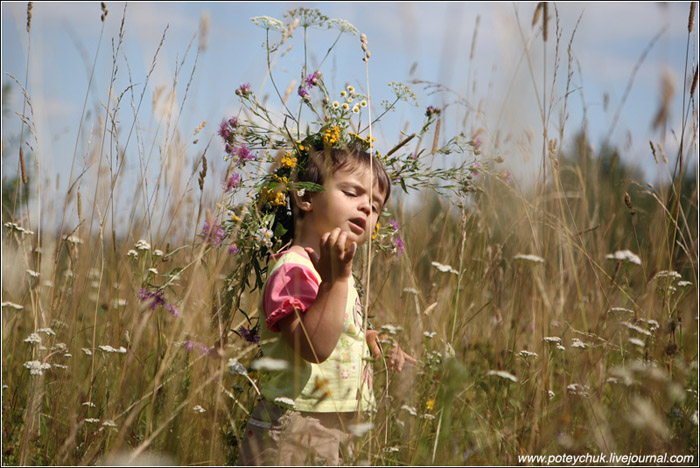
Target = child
(314,321)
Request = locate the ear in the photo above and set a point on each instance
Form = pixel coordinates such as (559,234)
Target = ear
(303,202)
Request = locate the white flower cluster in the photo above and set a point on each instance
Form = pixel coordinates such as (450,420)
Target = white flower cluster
(109,349)
(37,367)
(142,244)
(503,375)
(624,256)
(529,258)
(12,305)
(263,237)
(18,228)
(33,338)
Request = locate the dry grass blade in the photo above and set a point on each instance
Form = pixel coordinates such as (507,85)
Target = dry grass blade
(691,17)
(436,139)
(536,15)
(694,86)
(21,165)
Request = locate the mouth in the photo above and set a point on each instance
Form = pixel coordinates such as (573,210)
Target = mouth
(358,224)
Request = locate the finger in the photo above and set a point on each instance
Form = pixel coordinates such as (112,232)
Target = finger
(410,358)
(400,362)
(350,252)
(376,352)
(340,245)
(333,238)
(325,243)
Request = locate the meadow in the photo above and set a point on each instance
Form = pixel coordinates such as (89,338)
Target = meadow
(552,318)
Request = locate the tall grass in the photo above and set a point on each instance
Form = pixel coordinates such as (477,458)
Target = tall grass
(534,343)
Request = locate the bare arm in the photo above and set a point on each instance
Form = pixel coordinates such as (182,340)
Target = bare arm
(314,334)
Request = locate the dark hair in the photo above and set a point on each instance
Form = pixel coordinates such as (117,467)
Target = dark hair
(322,164)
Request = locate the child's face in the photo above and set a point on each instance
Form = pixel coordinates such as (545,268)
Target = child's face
(346,204)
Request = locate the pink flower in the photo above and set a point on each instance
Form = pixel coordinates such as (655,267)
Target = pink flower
(476,142)
(244,89)
(312,79)
(233,249)
(507,176)
(233,182)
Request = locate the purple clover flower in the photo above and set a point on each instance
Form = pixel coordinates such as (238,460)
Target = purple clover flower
(398,245)
(394,224)
(312,79)
(227,127)
(432,110)
(244,154)
(476,142)
(213,234)
(190,345)
(507,176)
(303,93)
(233,249)
(157,300)
(249,334)
(233,182)
(244,89)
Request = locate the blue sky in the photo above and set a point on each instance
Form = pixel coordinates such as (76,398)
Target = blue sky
(438,37)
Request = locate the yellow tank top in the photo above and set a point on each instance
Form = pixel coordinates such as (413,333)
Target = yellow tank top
(343,382)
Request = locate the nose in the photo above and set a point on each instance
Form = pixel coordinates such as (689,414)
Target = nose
(365,206)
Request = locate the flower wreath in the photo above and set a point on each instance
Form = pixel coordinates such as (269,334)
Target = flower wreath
(260,225)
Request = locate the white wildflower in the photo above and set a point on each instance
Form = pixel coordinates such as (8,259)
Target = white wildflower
(141,244)
(285,402)
(153,270)
(89,404)
(391,329)
(73,240)
(198,409)
(560,347)
(551,394)
(158,253)
(390,449)
(33,273)
(411,291)
(529,258)
(343,26)
(653,324)
(527,354)
(634,327)
(87,351)
(12,305)
(61,347)
(358,430)
(268,22)
(118,303)
(91,420)
(411,410)
(429,334)
(301,192)
(694,417)
(109,423)
(552,339)
(37,367)
(68,355)
(60,366)
(667,274)
(503,375)
(109,349)
(48,331)
(683,284)
(576,389)
(636,342)
(263,237)
(18,228)
(576,343)
(428,416)
(132,253)
(444,268)
(269,363)
(33,338)
(620,310)
(624,256)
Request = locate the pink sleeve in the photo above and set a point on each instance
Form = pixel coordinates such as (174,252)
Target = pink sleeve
(291,286)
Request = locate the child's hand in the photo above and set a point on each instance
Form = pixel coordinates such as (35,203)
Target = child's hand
(397,356)
(335,259)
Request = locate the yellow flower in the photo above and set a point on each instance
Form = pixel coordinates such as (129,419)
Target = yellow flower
(430,404)
(356,110)
(351,89)
(335,104)
(345,106)
(363,103)
(376,231)
(343,94)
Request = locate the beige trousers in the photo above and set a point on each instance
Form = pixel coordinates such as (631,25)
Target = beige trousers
(276,436)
